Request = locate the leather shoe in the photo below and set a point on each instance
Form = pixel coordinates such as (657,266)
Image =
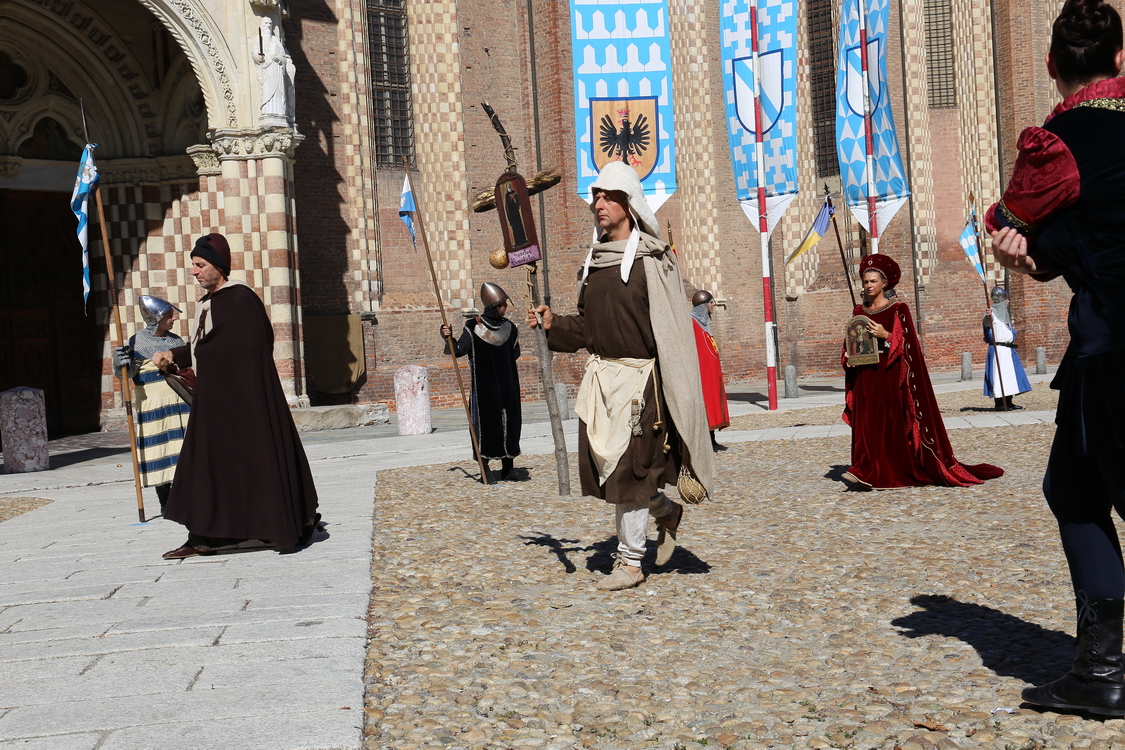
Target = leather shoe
(666,538)
(180,553)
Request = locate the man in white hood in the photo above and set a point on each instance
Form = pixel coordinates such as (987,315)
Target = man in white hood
(640,402)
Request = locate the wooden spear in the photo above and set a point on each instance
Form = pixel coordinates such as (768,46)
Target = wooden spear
(126,389)
(445,322)
(988,302)
(840,243)
(546,372)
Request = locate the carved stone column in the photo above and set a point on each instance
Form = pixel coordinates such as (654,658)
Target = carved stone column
(255,177)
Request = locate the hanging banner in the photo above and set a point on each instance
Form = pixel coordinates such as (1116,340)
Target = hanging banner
(777,54)
(888,182)
(623,92)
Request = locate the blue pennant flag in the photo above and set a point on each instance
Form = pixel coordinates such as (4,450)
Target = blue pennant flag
(777,92)
(968,243)
(87,181)
(622,61)
(888,184)
(406,208)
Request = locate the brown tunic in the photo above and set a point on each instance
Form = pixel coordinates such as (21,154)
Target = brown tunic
(613,322)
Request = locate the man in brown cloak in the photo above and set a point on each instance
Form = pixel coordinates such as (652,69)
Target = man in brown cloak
(641,401)
(242,481)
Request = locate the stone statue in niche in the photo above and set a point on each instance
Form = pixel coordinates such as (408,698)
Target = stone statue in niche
(275,77)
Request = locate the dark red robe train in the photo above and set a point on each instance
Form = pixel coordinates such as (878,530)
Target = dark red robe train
(898,436)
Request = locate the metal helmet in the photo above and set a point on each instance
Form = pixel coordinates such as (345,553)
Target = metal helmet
(702,297)
(999,294)
(153,309)
(492,295)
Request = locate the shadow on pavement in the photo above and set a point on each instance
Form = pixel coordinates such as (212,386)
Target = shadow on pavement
(558,546)
(88,454)
(1007,645)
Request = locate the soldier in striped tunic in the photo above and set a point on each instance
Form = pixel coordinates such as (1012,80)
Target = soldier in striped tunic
(161,414)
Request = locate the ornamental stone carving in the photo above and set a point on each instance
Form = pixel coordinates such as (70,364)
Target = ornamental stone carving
(161,170)
(255,143)
(205,158)
(276,73)
(10,166)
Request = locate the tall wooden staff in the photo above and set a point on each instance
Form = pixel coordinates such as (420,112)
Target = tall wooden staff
(445,322)
(839,242)
(126,389)
(540,182)
(988,300)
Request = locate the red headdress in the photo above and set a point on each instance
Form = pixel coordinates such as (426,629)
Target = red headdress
(884,264)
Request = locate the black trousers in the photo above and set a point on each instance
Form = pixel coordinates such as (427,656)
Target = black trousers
(1083,491)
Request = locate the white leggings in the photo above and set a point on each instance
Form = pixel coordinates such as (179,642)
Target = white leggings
(632,526)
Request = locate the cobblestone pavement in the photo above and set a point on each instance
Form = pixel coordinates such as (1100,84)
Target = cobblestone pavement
(795,614)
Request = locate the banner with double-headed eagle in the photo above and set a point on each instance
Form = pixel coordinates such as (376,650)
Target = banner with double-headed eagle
(777,61)
(887,182)
(623,92)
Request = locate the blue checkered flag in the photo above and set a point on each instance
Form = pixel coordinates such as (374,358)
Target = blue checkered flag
(85,184)
(968,243)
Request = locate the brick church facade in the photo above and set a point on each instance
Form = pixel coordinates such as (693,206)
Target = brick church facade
(193,139)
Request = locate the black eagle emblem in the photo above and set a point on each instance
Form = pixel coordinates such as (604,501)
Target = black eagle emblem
(624,141)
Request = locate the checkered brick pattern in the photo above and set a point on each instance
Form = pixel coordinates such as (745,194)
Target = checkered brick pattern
(977,111)
(358,167)
(151,229)
(788,234)
(701,140)
(441,185)
(918,153)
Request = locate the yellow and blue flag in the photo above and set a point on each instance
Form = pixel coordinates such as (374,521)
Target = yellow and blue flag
(817,231)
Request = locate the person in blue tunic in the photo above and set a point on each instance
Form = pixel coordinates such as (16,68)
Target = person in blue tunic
(1004,375)
(160,412)
(1063,214)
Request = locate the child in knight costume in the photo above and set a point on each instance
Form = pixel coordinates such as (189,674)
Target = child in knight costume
(492,344)
(161,414)
(1004,375)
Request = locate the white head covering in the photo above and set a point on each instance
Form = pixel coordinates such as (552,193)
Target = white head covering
(620,177)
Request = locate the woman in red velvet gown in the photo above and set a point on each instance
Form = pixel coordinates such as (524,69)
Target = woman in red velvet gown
(898,437)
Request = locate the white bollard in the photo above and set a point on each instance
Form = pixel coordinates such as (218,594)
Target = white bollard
(1040,360)
(791,390)
(966,366)
(23,428)
(412,399)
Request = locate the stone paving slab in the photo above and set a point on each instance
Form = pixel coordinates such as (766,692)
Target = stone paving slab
(86,600)
(82,741)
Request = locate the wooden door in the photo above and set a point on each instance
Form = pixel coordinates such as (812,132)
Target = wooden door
(47,340)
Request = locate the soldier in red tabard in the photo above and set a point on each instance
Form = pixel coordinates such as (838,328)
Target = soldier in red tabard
(710,367)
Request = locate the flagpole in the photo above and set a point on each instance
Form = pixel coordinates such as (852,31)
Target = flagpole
(868,140)
(987,299)
(763,217)
(840,243)
(126,390)
(445,322)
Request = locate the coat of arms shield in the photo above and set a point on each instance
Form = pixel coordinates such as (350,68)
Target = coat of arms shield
(626,130)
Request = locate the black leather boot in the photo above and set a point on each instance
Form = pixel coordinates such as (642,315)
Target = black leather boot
(1095,683)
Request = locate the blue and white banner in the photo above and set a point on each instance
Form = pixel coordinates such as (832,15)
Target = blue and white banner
(406,208)
(888,182)
(777,61)
(968,242)
(87,181)
(623,92)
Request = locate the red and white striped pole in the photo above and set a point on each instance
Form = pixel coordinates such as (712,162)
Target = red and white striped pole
(869,141)
(763,219)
